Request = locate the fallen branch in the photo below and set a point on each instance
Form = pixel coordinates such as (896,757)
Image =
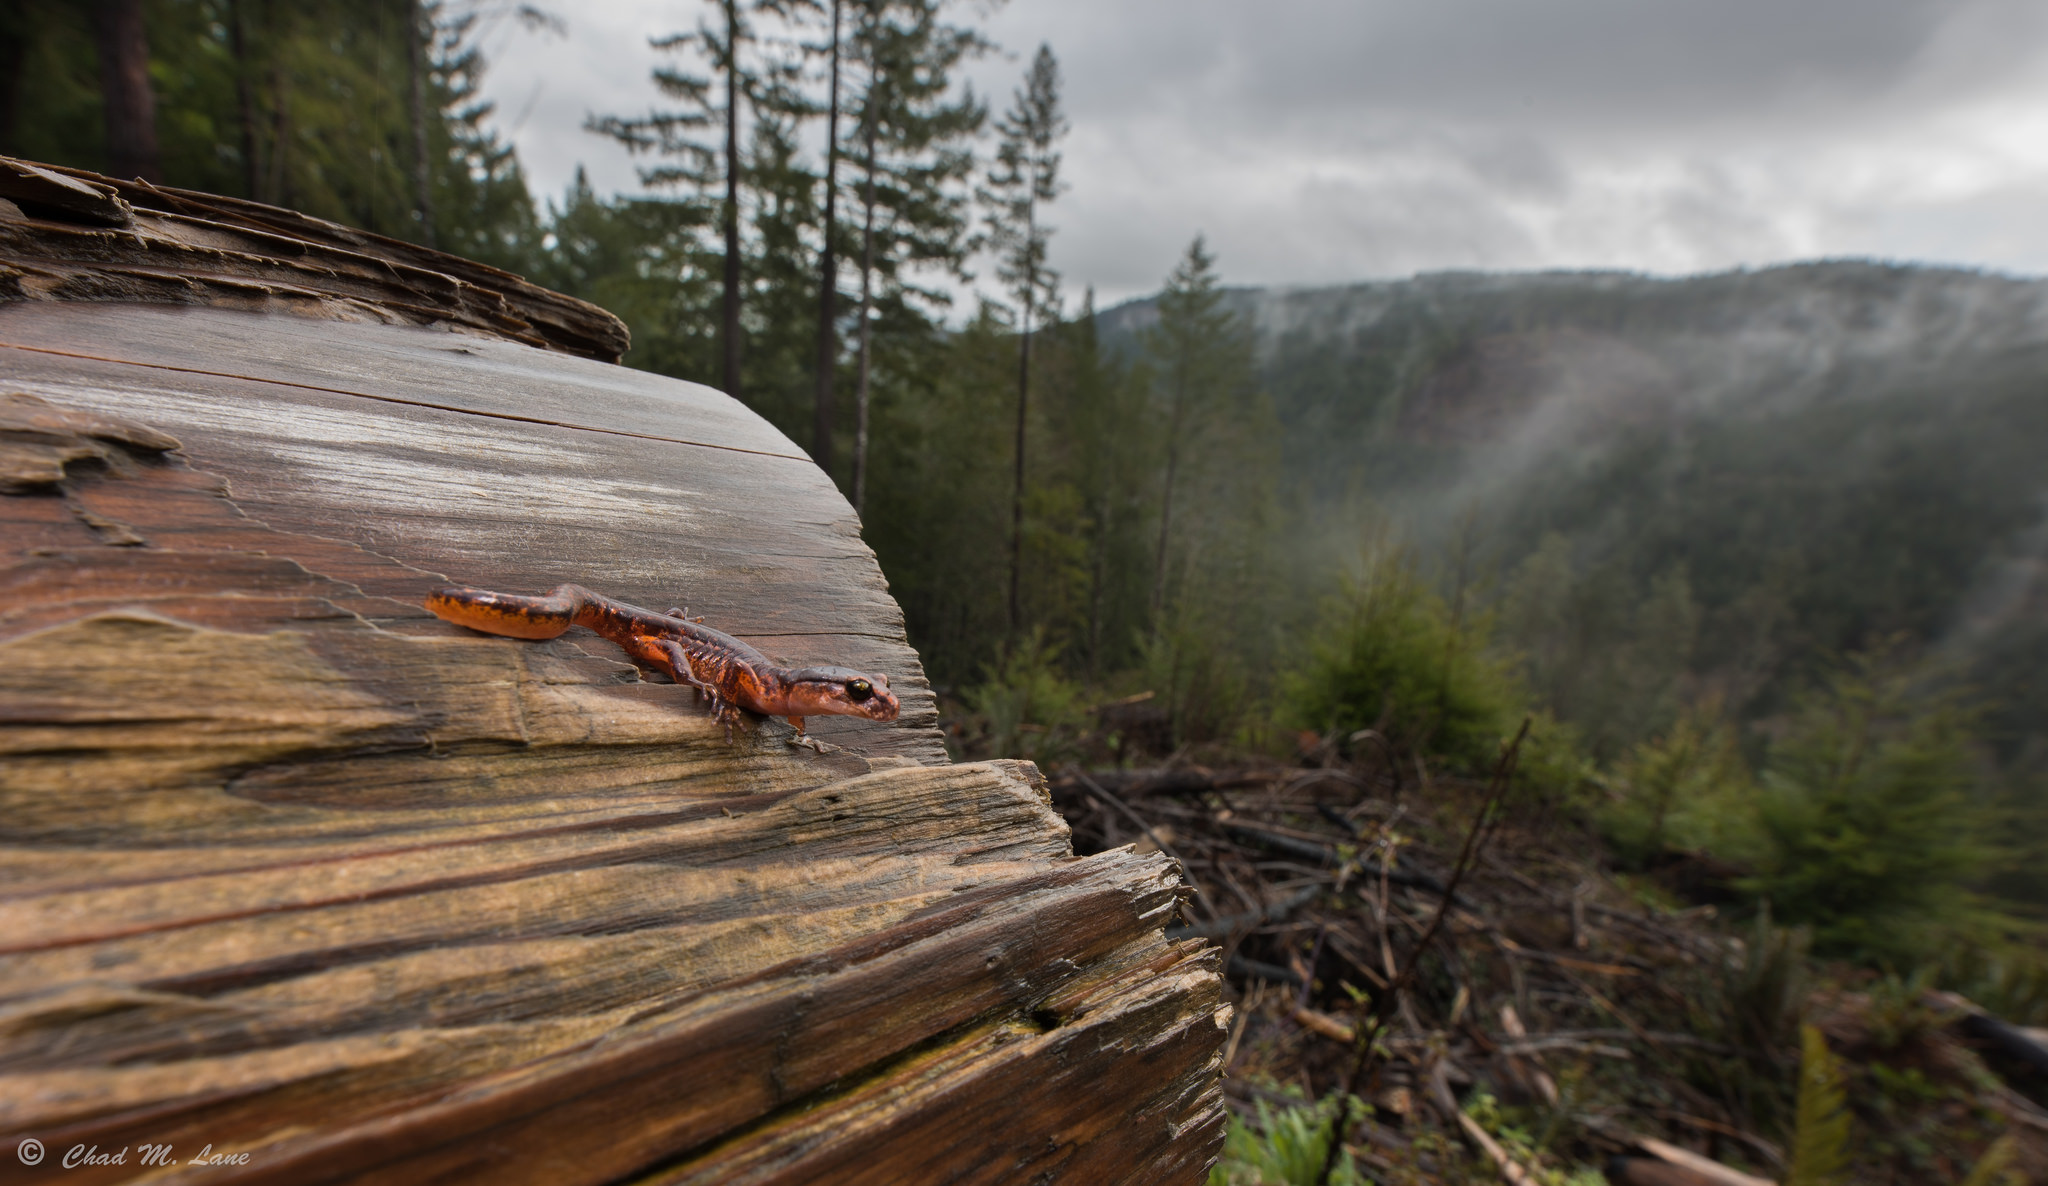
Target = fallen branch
(1186,875)
(2007,1040)
(1244,969)
(1327,854)
(1229,924)
(1386,1002)
(1511,1171)
(1188,780)
(1707,1168)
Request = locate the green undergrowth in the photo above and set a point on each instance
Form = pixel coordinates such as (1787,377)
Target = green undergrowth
(1283,1146)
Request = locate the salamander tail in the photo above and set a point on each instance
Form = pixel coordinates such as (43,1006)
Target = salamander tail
(508,614)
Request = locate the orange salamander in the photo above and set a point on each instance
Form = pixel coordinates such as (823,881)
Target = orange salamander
(733,674)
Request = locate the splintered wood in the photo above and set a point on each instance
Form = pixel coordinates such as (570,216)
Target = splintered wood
(293,872)
(69,235)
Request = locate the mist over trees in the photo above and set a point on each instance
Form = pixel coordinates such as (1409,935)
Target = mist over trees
(1760,551)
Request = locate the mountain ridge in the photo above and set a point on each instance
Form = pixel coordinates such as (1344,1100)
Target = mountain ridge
(1831,454)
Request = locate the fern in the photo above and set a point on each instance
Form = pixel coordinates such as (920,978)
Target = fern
(1995,1167)
(1285,1149)
(1820,1146)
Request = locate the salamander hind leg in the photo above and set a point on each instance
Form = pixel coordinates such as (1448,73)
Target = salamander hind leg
(511,615)
(679,666)
(728,714)
(723,711)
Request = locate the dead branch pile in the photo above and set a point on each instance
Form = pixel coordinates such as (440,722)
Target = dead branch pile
(1532,1012)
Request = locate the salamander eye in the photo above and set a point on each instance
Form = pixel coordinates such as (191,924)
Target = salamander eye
(859,689)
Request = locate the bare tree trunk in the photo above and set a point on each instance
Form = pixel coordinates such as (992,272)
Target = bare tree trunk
(867,271)
(15,37)
(1166,498)
(731,326)
(1099,548)
(1023,408)
(124,81)
(822,410)
(245,98)
(13,53)
(280,138)
(422,177)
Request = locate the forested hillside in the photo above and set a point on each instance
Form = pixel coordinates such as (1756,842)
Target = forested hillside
(1702,487)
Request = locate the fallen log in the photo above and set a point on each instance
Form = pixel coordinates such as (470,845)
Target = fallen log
(294,872)
(2022,1047)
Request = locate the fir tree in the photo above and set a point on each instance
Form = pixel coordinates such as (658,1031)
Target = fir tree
(1102,446)
(701,140)
(1201,357)
(913,142)
(1025,177)
(828,268)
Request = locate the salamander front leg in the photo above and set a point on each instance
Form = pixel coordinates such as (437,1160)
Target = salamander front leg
(806,740)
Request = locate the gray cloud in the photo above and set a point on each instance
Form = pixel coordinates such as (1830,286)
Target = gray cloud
(1321,141)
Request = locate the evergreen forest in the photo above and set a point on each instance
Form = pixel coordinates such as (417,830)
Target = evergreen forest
(1761,557)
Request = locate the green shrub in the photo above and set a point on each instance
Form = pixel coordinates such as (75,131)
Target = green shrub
(1200,677)
(1553,767)
(1526,1150)
(1865,825)
(2010,979)
(1685,789)
(1027,708)
(1389,655)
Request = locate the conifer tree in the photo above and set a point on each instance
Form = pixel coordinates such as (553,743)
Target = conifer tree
(828,268)
(1200,355)
(913,135)
(418,32)
(703,139)
(303,105)
(1025,177)
(1100,428)
(652,261)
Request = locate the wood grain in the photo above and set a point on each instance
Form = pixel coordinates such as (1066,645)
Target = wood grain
(292,869)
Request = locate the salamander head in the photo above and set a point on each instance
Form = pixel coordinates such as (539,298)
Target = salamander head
(840,691)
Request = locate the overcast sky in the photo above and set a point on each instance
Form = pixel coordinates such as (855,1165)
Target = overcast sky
(1327,141)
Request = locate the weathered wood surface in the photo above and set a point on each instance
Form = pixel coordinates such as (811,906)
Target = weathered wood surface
(290,868)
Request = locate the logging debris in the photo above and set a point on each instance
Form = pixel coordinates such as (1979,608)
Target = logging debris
(1563,1016)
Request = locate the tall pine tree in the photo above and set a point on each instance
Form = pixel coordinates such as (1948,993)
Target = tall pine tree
(1025,177)
(701,140)
(913,143)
